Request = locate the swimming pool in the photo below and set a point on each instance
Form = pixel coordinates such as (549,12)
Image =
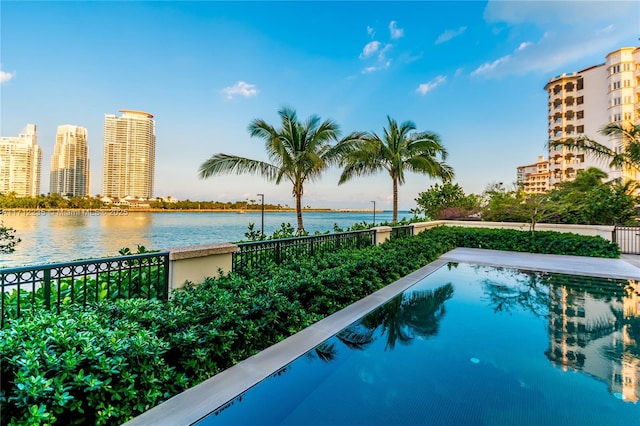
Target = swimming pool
(467,345)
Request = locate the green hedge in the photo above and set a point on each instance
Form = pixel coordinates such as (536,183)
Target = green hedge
(547,242)
(113,362)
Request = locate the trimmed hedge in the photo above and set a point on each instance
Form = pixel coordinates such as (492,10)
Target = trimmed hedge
(113,362)
(548,242)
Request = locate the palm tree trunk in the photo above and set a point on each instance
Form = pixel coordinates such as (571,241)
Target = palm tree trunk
(395,200)
(298,196)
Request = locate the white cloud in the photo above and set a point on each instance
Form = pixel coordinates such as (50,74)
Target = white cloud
(425,88)
(395,31)
(449,34)
(543,12)
(241,88)
(383,52)
(487,67)
(6,76)
(371,31)
(374,68)
(369,49)
(523,46)
(607,29)
(572,34)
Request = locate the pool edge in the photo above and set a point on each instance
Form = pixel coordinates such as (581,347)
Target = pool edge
(199,401)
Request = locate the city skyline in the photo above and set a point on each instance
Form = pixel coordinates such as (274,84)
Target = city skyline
(473,72)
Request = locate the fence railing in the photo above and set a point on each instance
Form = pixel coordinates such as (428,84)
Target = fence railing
(59,285)
(402,231)
(277,251)
(627,238)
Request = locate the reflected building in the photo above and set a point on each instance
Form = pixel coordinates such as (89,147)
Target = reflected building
(129,155)
(20,163)
(70,162)
(593,332)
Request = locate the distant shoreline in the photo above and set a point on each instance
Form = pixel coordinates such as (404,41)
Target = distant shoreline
(40,211)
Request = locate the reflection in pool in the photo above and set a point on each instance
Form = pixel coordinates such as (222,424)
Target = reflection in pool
(468,345)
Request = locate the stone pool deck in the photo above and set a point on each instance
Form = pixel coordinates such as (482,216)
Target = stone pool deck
(195,403)
(627,267)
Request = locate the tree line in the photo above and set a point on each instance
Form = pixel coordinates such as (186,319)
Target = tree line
(57,201)
(588,199)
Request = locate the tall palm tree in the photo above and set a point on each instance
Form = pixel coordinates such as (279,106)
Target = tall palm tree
(298,152)
(628,156)
(397,152)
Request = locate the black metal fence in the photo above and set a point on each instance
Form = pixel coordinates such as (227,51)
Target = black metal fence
(58,285)
(402,231)
(277,251)
(627,238)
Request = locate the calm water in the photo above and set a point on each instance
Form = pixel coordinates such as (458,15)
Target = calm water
(468,346)
(56,237)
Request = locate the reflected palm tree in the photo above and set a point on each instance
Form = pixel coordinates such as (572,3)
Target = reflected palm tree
(324,351)
(409,315)
(530,293)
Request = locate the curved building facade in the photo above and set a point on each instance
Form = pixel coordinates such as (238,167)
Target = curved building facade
(129,155)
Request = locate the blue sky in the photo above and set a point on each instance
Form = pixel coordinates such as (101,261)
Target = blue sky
(473,72)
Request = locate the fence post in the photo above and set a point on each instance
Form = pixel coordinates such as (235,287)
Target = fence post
(165,261)
(278,254)
(383,233)
(47,288)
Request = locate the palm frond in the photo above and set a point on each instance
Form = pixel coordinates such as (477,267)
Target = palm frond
(591,147)
(220,164)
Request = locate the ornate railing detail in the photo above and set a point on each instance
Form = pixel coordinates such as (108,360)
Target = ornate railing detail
(277,251)
(59,285)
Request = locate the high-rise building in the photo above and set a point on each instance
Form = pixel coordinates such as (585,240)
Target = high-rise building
(577,107)
(534,178)
(581,103)
(129,155)
(70,162)
(623,102)
(20,163)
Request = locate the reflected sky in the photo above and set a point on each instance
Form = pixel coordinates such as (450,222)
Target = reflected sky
(463,356)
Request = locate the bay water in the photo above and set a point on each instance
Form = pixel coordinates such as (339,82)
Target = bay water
(63,236)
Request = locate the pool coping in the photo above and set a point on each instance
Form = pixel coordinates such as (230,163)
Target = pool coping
(199,401)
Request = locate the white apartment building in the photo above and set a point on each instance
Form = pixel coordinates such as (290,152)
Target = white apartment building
(20,163)
(534,178)
(623,86)
(70,162)
(129,155)
(582,102)
(577,107)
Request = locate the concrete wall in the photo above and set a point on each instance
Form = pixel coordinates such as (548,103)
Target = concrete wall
(195,263)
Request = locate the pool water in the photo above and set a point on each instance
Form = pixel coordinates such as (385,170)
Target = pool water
(467,345)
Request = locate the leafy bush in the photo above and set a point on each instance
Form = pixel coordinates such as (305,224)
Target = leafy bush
(80,368)
(67,292)
(8,240)
(121,358)
(548,242)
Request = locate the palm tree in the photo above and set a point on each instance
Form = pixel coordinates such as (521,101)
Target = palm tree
(628,156)
(298,152)
(398,151)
